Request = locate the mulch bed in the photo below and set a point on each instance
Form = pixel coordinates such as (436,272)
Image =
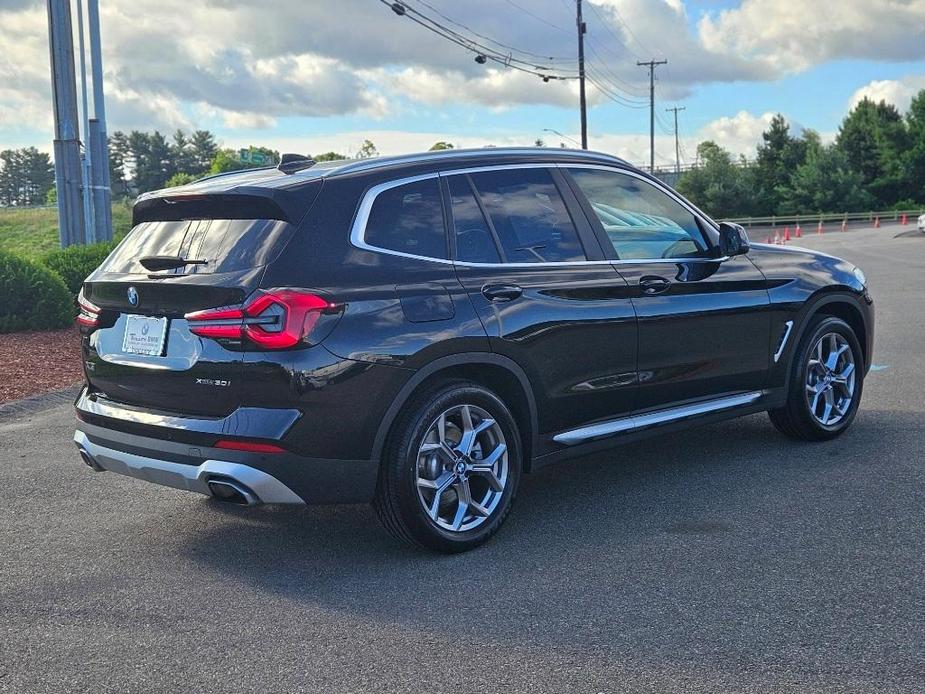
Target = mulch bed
(38,362)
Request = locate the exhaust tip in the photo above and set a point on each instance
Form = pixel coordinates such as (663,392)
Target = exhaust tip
(232,492)
(88,459)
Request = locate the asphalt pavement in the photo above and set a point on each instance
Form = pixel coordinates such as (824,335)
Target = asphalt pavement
(722,559)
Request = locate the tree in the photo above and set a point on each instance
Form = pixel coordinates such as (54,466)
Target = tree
(779,155)
(914,159)
(873,138)
(538,142)
(26,176)
(367,150)
(825,182)
(181,151)
(439,146)
(720,187)
(329,156)
(118,153)
(180,179)
(204,149)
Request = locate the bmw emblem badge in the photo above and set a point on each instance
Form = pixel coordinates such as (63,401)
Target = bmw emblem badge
(133,296)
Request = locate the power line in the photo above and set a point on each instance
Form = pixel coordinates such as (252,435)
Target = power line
(483,53)
(535,16)
(484,37)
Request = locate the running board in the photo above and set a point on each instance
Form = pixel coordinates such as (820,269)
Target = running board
(640,421)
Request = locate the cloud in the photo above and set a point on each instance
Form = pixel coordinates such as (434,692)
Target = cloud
(788,36)
(896,92)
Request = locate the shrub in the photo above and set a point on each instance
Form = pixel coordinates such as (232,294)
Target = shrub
(34,297)
(74,263)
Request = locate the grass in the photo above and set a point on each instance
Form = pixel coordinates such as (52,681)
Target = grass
(32,232)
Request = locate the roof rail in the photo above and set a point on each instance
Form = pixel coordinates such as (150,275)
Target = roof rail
(378,162)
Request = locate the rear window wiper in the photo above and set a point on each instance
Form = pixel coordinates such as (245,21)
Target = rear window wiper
(167,262)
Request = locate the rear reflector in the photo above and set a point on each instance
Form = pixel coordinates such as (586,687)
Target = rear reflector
(249,446)
(274,319)
(89,315)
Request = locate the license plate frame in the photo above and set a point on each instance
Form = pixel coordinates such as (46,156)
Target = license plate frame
(144,335)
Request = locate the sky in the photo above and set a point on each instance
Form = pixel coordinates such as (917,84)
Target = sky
(311,76)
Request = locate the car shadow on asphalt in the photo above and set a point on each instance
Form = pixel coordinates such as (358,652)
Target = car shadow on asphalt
(673,540)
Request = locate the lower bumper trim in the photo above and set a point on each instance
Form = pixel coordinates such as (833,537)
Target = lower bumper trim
(192,478)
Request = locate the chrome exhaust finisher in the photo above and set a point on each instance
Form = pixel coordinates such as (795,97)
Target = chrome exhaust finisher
(224,480)
(88,459)
(231,492)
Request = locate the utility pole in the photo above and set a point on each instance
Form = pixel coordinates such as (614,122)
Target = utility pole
(99,181)
(677,144)
(651,64)
(581,76)
(66,147)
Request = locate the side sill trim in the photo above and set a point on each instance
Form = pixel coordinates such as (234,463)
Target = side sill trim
(788,327)
(641,421)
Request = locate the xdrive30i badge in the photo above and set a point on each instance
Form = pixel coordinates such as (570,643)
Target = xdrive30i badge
(212,382)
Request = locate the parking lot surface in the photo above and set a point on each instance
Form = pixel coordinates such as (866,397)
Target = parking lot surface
(725,558)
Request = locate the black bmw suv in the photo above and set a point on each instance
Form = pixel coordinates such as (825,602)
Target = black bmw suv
(418,332)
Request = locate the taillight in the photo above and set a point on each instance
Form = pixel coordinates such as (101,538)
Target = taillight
(275,319)
(89,315)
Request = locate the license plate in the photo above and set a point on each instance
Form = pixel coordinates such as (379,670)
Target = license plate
(144,335)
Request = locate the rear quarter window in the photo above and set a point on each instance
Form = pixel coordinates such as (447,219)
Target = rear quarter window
(408,218)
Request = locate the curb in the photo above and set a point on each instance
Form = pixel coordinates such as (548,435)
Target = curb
(38,403)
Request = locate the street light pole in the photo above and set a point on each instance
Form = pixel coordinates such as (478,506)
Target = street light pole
(99,182)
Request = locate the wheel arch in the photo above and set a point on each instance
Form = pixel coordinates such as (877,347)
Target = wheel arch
(499,374)
(838,304)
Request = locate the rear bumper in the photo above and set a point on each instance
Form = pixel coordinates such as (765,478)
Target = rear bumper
(278,478)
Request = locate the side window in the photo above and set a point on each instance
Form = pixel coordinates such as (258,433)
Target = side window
(409,219)
(641,221)
(529,216)
(474,241)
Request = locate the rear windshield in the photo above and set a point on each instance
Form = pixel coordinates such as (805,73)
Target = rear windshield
(226,245)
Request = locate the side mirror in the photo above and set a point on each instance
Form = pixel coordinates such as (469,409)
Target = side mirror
(733,239)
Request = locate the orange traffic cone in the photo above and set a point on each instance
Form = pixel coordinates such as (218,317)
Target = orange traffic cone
(786,234)
(844,225)
(876,222)
(904,220)
(797,231)
(819,228)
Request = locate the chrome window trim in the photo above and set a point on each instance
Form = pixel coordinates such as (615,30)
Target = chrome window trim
(640,421)
(358,229)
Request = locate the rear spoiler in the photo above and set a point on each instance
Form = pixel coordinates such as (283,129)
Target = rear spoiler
(254,203)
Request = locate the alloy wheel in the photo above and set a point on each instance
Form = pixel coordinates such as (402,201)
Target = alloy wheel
(830,379)
(462,468)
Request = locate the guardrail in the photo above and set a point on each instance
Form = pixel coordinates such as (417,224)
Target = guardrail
(847,217)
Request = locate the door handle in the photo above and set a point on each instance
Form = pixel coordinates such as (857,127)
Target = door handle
(502,292)
(653,284)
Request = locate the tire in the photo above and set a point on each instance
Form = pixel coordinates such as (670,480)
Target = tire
(807,383)
(416,470)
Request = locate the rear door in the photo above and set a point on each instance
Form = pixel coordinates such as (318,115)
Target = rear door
(142,352)
(704,322)
(547,298)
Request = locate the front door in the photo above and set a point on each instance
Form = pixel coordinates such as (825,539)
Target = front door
(704,321)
